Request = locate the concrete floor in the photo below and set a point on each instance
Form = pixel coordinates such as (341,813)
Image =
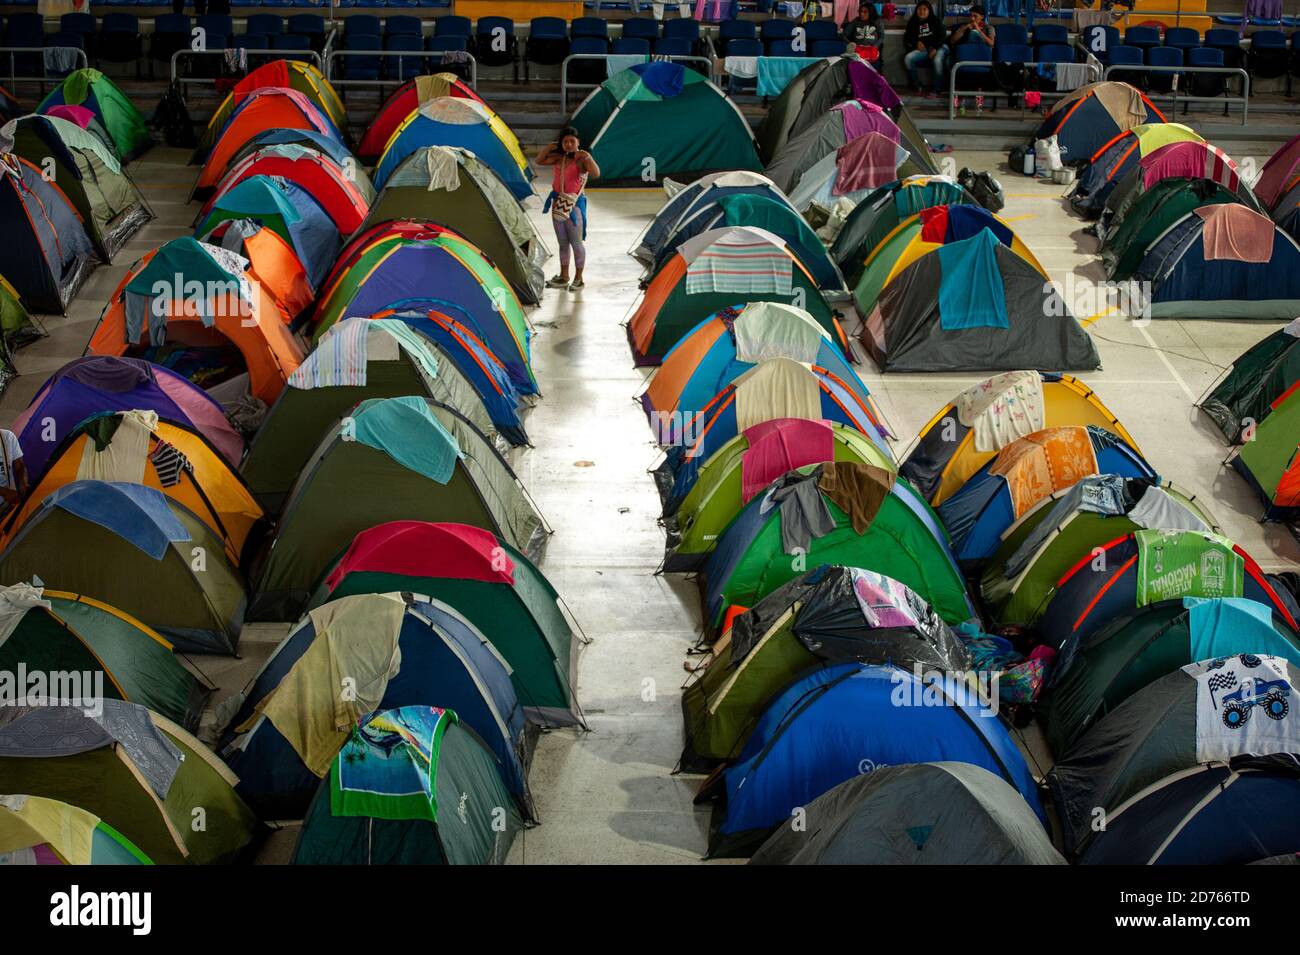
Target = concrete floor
(608,795)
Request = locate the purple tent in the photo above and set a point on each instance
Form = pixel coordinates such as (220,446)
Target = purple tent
(871,86)
(99,383)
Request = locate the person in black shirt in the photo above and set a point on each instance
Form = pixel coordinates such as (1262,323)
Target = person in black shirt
(924,41)
(864,32)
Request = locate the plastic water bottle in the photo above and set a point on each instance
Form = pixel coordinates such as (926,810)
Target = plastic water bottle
(1028,169)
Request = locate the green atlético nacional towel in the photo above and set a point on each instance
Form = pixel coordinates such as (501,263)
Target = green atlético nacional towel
(1176,564)
(388,767)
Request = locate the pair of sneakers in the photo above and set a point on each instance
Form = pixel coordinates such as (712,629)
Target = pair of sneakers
(556,281)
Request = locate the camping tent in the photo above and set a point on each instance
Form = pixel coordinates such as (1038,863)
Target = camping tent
(99,383)
(1128,236)
(264,108)
(844,721)
(326,144)
(729,343)
(1223,261)
(222,323)
(296,75)
(135,447)
(714,270)
(465,123)
(863,517)
(917,814)
(390,459)
(1088,118)
(1028,471)
(1063,530)
(1278,173)
(1222,708)
(655,120)
(39,831)
(47,253)
(452,187)
(53,632)
(111,208)
(693,205)
(852,172)
(412,786)
(496,588)
(407,266)
(358,359)
(929,318)
(114,112)
(271,261)
(880,213)
(1115,159)
(1230,813)
(1116,579)
(16,330)
(284,207)
(1098,673)
(344,196)
(138,771)
(706,496)
(820,85)
(1271,461)
(924,232)
(967,432)
(1286,212)
(824,617)
(1260,376)
(404,101)
(404,650)
(773,389)
(134,548)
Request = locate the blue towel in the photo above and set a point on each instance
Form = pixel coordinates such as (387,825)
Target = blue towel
(776,72)
(662,78)
(970,288)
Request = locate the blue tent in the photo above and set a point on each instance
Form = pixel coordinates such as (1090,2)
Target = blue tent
(46,254)
(426,129)
(849,719)
(286,209)
(695,205)
(978,514)
(441,657)
(321,142)
(1218,814)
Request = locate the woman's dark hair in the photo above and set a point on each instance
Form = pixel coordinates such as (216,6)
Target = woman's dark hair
(569,131)
(871,11)
(916,11)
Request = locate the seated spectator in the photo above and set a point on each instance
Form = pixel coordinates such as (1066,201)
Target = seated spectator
(864,33)
(924,41)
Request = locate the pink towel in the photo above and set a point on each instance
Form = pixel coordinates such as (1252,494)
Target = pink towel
(1232,231)
(1189,160)
(867,162)
(782,445)
(862,117)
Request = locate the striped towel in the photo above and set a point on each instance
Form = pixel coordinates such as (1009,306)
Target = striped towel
(743,265)
(339,359)
(411,341)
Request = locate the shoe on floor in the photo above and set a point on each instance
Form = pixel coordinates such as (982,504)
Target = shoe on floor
(575,285)
(556,282)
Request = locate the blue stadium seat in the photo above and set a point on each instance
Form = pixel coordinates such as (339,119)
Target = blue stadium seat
(494,41)
(824,48)
(1012,33)
(781,48)
(630,46)
(402,67)
(974,77)
(361,67)
(772,30)
(1267,56)
(731,30)
(683,29)
(171,32)
(403,25)
(1228,42)
(82,24)
(548,42)
(250,41)
(1184,38)
(744,46)
(1206,84)
(360,24)
(1051,33)
(1098,40)
(1054,53)
(267,24)
(310,25)
(447,44)
(216,24)
(1012,52)
(673,46)
(589,26)
(588,45)
(819,30)
(453,26)
(641,28)
(1142,37)
(1161,81)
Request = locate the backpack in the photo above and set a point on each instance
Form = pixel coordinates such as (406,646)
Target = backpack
(172,119)
(986,190)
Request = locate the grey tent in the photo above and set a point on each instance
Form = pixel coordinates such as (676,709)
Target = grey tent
(915,814)
(922,323)
(1217,710)
(825,136)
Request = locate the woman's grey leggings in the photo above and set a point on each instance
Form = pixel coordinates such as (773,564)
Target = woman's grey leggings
(569,234)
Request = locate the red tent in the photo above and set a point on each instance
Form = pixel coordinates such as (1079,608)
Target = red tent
(405,101)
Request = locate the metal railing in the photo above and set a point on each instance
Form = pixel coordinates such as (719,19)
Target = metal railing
(45,76)
(565,85)
(189,79)
(1175,97)
(423,56)
(1094,73)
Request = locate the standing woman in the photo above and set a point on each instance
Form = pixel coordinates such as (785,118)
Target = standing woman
(568,202)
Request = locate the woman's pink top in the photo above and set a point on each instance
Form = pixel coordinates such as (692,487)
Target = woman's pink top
(569,177)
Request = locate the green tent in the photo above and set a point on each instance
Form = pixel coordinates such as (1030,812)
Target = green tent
(89,174)
(54,631)
(411,786)
(490,583)
(655,120)
(138,550)
(43,831)
(1016,586)
(716,496)
(1271,461)
(139,772)
(398,361)
(16,330)
(468,198)
(1264,373)
(1143,645)
(1149,215)
(390,459)
(115,113)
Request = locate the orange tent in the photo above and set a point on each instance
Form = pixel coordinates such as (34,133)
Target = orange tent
(273,262)
(239,309)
